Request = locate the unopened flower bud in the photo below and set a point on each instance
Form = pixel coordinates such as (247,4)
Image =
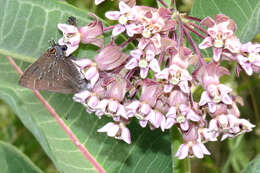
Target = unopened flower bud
(110,58)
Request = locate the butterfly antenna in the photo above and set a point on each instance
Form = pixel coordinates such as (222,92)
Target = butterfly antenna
(52,42)
(72,21)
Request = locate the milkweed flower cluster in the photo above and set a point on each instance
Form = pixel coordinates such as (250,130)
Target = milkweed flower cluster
(153,82)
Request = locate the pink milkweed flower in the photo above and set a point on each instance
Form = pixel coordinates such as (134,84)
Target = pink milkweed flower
(144,62)
(249,58)
(156,118)
(153,24)
(117,130)
(71,37)
(89,70)
(174,75)
(181,115)
(90,34)
(88,99)
(112,108)
(123,16)
(220,31)
(114,95)
(140,110)
(206,135)
(230,126)
(214,95)
(191,146)
(81,97)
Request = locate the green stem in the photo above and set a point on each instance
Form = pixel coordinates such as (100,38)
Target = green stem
(232,153)
(187,165)
(253,99)
(178,166)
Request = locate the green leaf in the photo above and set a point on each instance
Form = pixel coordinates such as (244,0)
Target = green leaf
(25,28)
(167,2)
(12,160)
(246,14)
(253,166)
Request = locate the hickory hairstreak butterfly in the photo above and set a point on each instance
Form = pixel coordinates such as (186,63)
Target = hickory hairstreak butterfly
(55,72)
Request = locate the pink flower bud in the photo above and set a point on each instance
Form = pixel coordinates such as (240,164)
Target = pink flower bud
(90,33)
(110,58)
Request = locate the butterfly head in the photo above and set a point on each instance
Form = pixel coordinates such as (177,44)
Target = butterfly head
(57,50)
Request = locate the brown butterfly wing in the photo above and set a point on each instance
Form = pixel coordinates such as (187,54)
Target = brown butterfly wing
(53,74)
(70,77)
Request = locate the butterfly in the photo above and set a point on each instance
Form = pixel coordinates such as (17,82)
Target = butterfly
(53,71)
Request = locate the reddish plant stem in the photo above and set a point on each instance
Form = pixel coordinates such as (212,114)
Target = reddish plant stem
(127,42)
(191,100)
(194,31)
(108,28)
(199,28)
(174,36)
(192,18)
(180,39)
(195,47)
(61,123)
(172,3)
(131,73)
(163,3)
(161,57)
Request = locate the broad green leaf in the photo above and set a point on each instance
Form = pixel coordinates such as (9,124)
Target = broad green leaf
(12,160)
(167,2)
(253,166)
(246,14)
(25,28)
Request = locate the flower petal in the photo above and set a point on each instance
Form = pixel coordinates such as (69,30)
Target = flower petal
(169,123)
(124,8)
(167,88)
(144,72)
(217,53)
(125,135)
(185,125)
(197,151)
(207,42)
(65,28)
(97,2)
(212,107)
(118,29)
(137,53)
(82,96)
(112,15)
(106,127)
(113,130)
(182,151)
(204,98)
(154,65)
(131,64)
(113,106)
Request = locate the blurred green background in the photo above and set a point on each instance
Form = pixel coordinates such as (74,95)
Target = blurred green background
(227,156)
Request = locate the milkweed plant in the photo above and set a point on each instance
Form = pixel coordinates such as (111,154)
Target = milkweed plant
(155,82)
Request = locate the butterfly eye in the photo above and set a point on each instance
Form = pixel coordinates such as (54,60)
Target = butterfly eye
(64,47)
(53,51)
